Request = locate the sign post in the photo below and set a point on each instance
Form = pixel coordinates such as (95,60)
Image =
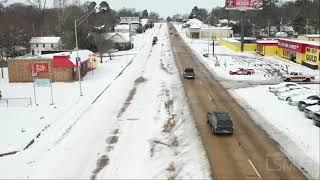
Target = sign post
(41,82)
(243,6)
(129,21)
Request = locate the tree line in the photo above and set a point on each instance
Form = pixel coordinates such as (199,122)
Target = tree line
(302,15)
(20,22)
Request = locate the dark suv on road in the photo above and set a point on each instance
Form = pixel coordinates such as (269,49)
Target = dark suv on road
(220,122)
(188,73)
(154,41)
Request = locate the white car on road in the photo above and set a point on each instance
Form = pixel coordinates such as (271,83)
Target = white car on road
(294,101)
(273,88)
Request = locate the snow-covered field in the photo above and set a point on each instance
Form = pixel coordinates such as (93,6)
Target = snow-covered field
(298,137)
(268,69)
(139,127)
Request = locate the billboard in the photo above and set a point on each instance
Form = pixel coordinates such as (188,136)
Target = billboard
(244,4)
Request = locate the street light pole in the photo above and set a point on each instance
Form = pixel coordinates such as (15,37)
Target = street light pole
(78,60)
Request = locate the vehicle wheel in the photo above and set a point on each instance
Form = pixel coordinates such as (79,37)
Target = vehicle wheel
(248,73)
(301,106)
(213,131)
(287,80)
(308,80)
(287,99)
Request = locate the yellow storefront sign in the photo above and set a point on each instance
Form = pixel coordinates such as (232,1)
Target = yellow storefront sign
(312,56)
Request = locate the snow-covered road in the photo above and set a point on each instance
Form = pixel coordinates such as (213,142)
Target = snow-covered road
(140,127)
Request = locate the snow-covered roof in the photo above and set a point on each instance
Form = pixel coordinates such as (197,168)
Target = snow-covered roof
(206,27)
(118,37)
(281,34)
(83,54)
(287,28)
(45,40)
(267,41)
(144,21)
(312,35)
(100,27)
(195,23)
(314,43)
(122,26)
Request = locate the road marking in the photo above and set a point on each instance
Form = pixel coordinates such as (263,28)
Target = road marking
(210,97)
(255,169)
(200,82)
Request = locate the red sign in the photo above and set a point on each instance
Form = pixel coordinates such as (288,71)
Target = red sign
(293,46)
(244,4)
(40,67)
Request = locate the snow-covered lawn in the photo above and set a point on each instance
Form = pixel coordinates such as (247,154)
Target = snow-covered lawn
(140,127)
(266,68)
(296,134)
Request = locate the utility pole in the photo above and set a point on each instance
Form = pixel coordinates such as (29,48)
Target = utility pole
(209,39)
(281,28)
(268,28)
(78,60)
(307,29)
(243,12)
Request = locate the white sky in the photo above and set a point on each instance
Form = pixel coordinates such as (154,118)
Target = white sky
(163,7)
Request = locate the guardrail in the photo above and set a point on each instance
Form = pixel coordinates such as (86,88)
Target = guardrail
(26,101)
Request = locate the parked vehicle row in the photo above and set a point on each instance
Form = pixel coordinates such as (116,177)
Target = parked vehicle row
(304,98)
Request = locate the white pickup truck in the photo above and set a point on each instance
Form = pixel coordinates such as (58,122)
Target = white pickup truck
(298,76)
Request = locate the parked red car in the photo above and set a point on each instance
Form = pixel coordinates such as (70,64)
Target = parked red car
(242,71)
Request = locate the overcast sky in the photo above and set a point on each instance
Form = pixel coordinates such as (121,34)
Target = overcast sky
(163,7)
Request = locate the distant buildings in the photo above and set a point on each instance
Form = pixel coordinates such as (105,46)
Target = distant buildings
(45,45)
(309,37)
(121,40)
(197,30)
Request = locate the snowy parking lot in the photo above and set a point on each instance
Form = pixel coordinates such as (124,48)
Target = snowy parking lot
(267,69)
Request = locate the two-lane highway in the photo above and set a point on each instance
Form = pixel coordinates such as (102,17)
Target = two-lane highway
(249,153)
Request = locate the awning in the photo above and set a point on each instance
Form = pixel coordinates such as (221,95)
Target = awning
(62,61)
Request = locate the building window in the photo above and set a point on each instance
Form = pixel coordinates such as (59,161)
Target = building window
(51,45)
(43,45)
(37,45)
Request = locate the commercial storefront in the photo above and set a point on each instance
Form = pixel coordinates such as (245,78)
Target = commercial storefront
(63,66)
(292,50)
(312,57)
(267,47)
(299,51)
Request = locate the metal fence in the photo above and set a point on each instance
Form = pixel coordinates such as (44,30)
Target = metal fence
(16,102)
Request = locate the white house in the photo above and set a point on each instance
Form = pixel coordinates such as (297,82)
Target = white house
(122,28)
(121,40)
(40,44)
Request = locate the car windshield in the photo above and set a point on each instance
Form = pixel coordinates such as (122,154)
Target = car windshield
(188,70)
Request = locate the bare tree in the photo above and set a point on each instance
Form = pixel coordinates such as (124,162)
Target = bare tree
(61,8)
(41,9)
(103,45)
